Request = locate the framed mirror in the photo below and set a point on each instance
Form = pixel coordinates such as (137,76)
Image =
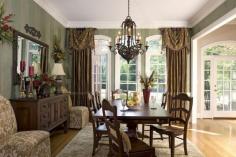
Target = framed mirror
(31,52)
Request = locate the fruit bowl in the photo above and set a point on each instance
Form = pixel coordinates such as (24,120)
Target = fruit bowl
(132,105)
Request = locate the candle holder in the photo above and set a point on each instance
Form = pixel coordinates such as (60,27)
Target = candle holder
(31,74)
(22,82)
(22,86)
(30,90)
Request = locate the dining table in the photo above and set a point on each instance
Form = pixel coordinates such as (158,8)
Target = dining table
(140,114)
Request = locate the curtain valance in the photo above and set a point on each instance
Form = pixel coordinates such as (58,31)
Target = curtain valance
(175,38)
(80,38)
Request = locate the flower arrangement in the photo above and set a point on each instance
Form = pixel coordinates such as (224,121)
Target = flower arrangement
(57,53)
(148,81)
(5,29)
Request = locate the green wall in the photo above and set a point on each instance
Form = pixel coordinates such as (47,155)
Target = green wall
(112,34)
(223,9)
(27,12)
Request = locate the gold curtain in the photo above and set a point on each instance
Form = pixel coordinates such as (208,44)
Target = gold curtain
(81,43)
(176,43)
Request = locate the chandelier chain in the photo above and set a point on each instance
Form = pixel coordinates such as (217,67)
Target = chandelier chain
(128,7)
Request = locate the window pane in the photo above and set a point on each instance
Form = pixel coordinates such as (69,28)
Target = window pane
(132,69)
(207,65)
(123,77)
(206,85)
(123,86)
(161,78)
(132,78)
(207,75)
(132,87)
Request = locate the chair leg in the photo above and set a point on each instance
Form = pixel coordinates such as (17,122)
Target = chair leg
(169,138)
(161,136)
(172,146)
(95,144)
(151,136)
(143,131)
(185,145)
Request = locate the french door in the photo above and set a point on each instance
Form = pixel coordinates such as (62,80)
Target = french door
(219,86)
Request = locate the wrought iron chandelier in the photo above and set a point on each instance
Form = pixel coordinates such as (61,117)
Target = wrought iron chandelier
(128,43)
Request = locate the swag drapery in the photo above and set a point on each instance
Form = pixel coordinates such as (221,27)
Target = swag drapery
(176,44)
(81,42)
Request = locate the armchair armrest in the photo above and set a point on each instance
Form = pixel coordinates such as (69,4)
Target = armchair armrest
(26,143)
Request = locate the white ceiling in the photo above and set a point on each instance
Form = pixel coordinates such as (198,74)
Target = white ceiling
(146,13)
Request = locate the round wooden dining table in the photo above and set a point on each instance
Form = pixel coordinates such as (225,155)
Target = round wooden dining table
(142,114)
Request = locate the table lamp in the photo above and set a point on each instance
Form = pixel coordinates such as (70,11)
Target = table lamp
(58,71)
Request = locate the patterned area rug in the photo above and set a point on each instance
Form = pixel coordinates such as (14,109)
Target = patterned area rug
(82,145)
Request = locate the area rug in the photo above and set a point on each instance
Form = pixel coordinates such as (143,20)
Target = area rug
(82,144)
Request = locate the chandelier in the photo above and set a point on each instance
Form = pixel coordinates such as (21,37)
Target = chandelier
(128,43)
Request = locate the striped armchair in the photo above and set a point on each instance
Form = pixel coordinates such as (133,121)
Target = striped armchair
(20,144)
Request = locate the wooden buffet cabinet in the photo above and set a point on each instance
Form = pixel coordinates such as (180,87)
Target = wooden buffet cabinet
(41,114)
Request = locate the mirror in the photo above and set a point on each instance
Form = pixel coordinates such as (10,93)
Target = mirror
(31,53)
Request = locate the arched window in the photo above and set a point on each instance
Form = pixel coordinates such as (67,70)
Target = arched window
(101,66)
(156,61)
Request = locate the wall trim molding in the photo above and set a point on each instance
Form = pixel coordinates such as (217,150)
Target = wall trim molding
(116,24)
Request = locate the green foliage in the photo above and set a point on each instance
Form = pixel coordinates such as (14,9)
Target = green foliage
(5,29)
(57,54)
(221,50)
(148,81)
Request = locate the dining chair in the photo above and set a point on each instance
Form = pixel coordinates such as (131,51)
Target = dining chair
(180,110)
(99,129)
(119,94)
(158,122)
(120,145)
(97,96)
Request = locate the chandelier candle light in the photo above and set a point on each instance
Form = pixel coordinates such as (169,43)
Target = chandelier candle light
(128,43)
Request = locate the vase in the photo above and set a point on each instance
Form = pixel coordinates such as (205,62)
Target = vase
(146,96)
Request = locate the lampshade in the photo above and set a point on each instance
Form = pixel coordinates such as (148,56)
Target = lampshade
(58,69)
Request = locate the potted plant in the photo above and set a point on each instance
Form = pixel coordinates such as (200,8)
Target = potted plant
(5,29)
(57,54)
(147,82)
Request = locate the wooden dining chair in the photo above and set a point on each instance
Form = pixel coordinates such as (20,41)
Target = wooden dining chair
(97,96)
(120,145)
(99,129)
(159,122)
(119,93)
(180,111)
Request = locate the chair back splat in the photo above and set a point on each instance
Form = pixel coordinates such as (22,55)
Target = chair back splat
(119,142)
(98,100)
(181,109)
(99,129)
(113,127)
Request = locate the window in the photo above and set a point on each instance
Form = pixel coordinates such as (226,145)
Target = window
(101,66)
(156,61)
(127,75)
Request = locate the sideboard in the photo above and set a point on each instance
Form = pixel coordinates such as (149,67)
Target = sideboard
(41,114)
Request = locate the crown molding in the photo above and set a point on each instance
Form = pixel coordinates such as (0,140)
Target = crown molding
(52,11)
(206,10)
(117,24)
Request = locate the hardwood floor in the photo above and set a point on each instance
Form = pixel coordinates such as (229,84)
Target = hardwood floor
(215,138)
(59,140)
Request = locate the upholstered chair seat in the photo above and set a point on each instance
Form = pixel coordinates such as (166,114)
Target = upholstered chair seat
(79,115)
(20,144)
